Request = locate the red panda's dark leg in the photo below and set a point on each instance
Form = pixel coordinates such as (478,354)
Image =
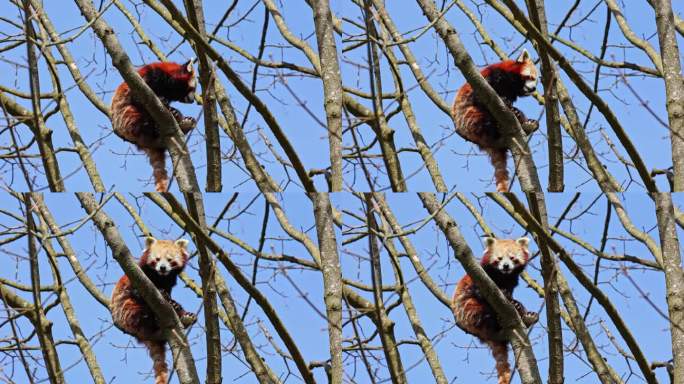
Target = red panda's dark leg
(518,114)
(500,353)
(527,317)
(498,158)
(185,123)
(158,354)
(528,125)
(158,162)
(186,318)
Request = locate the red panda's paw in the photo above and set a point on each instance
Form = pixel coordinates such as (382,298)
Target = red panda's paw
(188,319)
(530,318)
(530,126)
(187,124)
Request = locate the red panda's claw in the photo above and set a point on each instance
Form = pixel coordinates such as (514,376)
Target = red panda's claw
(530,318)
(530,126)
(188,319)
(187,124)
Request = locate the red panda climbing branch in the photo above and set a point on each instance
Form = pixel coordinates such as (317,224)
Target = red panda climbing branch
(503,261)
(510,79)
(131,122)
(162,262)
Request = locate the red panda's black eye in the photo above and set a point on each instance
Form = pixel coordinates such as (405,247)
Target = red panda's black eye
(174,264)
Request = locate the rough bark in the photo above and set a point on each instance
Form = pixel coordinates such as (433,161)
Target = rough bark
(332,281)
(674,280)
(549,272)
(195,10)
(674,86)
(40,131)
(41,324)
(207,270)
(332,88)
(386,331)
(548,74)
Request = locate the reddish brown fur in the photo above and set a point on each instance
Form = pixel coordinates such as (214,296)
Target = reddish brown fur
(171,82)
(474,122)
(472,312)
(133,316)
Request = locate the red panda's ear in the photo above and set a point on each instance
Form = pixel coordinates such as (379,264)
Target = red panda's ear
(149,241)
(524,56)
(188,65)
(523,241)
(182,243)
(489,241)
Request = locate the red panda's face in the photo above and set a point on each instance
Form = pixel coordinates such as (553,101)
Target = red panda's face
(165,256)
(189,70)
(528,72)
(172,81)
(507,256)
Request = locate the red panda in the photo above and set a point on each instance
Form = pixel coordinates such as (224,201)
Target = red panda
(131,122)
(503,261)
(510,79)
(161,261)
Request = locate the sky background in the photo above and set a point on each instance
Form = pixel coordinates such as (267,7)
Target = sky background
(124,169)
(463,167)
(463,359)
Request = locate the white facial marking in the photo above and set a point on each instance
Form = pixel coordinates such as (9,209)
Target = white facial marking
(163,266)
(506,265)
(530,86)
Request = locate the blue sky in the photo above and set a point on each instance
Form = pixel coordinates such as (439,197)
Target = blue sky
(461,356)
(471,172)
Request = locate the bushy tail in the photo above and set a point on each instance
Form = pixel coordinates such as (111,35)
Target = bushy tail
(498,158)
(158,354)
(158,162)
(500,353)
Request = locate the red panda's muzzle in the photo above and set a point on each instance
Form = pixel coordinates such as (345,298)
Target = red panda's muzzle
(505,266)
(191,81)
(162,266)
(530,86)
(189,98)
